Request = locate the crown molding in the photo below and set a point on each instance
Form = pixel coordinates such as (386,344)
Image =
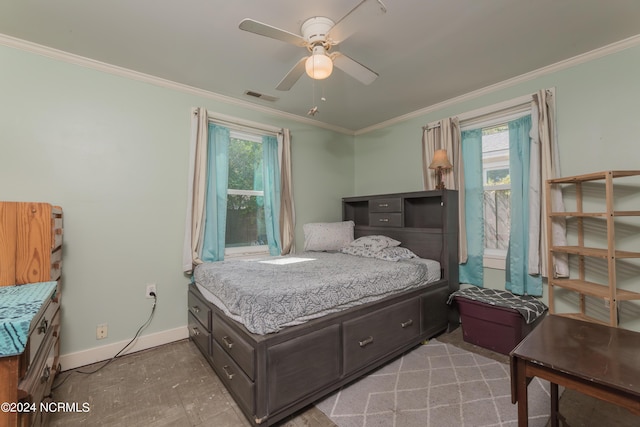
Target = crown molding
(60,55)
(567,63)
(82,61)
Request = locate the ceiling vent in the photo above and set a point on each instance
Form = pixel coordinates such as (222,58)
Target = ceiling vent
(261,96)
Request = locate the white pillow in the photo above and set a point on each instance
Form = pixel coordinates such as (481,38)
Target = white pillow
(327,236)
(374,243)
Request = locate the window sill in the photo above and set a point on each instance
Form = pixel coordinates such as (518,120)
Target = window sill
(495,262)
(247,252)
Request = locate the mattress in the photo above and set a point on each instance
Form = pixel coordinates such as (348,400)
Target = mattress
(269,294)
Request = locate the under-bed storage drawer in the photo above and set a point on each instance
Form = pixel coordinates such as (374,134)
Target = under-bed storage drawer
(200,310)
(303,365)
(239,350)
(234,378)
(199,334)
(374,335)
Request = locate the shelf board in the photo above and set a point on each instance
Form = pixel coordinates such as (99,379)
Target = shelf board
(594,289)
(594,214)
(582,286)
(624,295)
(593,252)
(593,176)
(579,214)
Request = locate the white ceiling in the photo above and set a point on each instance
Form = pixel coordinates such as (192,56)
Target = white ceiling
(425,51)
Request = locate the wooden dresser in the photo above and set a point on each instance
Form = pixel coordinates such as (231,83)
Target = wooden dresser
(30,269)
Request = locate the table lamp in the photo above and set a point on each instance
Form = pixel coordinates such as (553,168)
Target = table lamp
(440,163)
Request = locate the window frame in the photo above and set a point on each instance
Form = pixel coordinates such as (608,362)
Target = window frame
(486,118)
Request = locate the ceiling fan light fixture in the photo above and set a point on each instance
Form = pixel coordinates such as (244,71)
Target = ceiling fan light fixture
(318,66)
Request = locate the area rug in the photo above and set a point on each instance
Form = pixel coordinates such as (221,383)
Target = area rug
(435,385)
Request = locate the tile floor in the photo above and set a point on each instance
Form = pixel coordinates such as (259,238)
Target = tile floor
(173,385)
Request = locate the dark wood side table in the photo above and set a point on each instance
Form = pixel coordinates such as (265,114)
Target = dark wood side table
(597,360)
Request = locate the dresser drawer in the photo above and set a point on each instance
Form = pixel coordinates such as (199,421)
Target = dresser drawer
(40,326)
(374,335)
(42,369)
(385,219)
(40,389)
(385,205)
(199,334)
(199,310)
(239,350)
(240,386)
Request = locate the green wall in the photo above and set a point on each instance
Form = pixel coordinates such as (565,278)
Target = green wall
(598,119)
(113,152)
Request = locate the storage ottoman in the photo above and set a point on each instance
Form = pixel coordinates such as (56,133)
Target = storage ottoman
(496,320)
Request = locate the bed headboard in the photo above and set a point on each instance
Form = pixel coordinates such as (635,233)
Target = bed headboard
(426,222)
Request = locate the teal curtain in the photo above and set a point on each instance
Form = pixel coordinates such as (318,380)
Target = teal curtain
(271,183)
(518,281)
(472,271)
(216,205)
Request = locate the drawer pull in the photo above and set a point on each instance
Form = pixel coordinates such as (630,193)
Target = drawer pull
(195,309)
(45,375)
(195,331)
(383,220)
(227,342)
(225,368)
(383,205)
(366,341)
(44,325)
(407,323)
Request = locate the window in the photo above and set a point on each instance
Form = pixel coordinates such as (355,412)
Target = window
(245,226)
(496,181)
(497,191)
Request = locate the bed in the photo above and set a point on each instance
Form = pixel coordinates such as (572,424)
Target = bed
(337,327)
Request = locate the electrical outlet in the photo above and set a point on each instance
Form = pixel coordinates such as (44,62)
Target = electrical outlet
(606,303)
(151,287)
(101,331)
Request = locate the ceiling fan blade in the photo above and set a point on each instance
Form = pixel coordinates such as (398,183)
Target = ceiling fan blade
(354,68)
(357,18)
(292,76)
(272,32)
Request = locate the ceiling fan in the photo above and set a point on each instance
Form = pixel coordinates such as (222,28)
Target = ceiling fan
(319,35)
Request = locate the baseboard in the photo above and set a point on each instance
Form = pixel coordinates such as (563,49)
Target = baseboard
(98,354)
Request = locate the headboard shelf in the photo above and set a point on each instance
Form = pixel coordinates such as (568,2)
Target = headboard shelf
(426,222)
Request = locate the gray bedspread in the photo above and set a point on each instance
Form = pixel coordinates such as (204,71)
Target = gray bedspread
(268,297)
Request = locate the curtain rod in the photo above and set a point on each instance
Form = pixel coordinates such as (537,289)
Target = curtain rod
(484,113)
(239,124)
(498,116)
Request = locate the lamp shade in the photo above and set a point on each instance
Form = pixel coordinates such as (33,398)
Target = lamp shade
(318,66)
(440,160)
